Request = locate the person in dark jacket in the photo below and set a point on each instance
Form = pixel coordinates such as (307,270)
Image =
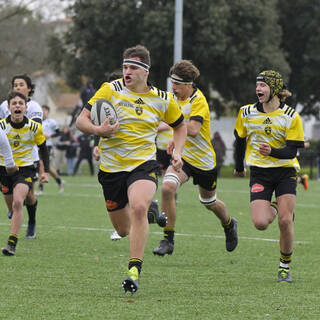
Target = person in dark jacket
(86,145)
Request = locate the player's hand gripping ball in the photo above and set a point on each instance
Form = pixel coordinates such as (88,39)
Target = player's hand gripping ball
(102,109)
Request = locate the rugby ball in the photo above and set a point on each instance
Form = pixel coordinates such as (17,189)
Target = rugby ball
(101,109)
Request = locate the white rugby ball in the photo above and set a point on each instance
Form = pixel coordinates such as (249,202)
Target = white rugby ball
(101,109)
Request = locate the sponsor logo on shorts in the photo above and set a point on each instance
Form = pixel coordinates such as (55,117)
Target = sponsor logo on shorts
(257,188)
(28,179)
(152,175)
(4,189)
(111,205)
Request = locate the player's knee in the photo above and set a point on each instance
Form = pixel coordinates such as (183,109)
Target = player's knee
(170,184)
(138,211)
(122,232)
(17,204)
(285,221)
(260,224)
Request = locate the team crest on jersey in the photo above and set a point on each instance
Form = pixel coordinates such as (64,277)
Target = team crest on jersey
(267,129)
(16,143)
(139,111)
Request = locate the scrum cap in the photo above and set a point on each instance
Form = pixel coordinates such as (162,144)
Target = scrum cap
(273,79)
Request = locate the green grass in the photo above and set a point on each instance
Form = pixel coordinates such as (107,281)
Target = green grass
(73,271)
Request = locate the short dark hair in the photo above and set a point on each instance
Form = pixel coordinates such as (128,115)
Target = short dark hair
(46,107)
(114,75)
(13,94)
(140,52)
(28,81)
(186,70)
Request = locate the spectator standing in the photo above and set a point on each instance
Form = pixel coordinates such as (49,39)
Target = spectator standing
(87,92)
(86,143)
(71,154)
(61,148)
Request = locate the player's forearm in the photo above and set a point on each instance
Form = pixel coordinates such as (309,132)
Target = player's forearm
(179,137)
(240,150)
(288,152)
(44,156)
(84,124)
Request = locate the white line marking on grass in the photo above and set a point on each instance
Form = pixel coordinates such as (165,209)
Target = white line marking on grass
(177,234)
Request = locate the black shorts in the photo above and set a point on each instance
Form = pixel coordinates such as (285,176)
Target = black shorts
(115,185)
(163,158)
(8,182)
(205,179)
(265,181)
(37,170)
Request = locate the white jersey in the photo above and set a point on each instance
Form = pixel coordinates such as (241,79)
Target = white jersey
(49,127)
(5,150)
(34,111)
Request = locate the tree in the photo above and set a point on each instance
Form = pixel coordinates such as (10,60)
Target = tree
(301,42)
(224,38)
(24,37)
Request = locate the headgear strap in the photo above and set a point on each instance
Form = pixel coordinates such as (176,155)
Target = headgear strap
(180,80)
(136,63)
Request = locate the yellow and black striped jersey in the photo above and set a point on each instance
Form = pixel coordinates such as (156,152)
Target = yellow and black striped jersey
(139,115)
(279,128)
(163,138)
(198,151)
(22,137)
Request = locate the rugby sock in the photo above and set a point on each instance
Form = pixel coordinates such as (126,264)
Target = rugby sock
(13,239)
(228,224)
(135,262)
(168,234)
(58,180)
(32,212)
(285,259)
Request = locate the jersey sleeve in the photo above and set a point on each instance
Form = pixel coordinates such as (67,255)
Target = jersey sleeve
(240,128)
(4,109)
(39,137)
(199,109)
(173,115)
(104,92)
(36,112)
(295,135)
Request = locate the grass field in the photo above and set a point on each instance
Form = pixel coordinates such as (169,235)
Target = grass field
(73,271)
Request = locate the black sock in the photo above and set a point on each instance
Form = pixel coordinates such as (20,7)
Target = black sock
(229,223)
(13,239)
(58,180)
(168,234)
(285,259)
(135,262)
(41,187)
(32,212)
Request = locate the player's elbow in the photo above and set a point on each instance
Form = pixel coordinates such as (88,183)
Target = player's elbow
(192,132)
(80,122)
